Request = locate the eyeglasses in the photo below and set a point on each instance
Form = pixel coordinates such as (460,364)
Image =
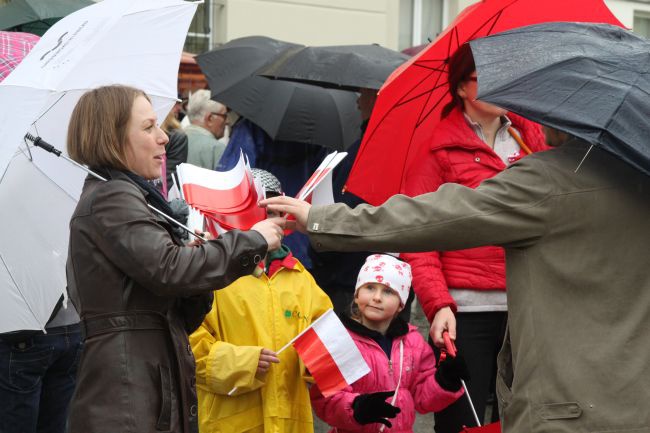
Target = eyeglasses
(224,116)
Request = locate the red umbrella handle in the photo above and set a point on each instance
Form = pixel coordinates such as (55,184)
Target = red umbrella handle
(450,347)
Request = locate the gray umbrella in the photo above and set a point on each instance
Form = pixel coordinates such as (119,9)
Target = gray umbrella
(589,80)
(287,111)
(349,67)
(30,14)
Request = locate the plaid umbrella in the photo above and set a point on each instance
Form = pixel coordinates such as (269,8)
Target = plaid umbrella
(13,47)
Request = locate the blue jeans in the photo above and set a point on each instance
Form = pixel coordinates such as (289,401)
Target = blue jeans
(37,378)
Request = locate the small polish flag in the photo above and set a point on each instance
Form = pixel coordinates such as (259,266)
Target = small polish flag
(330,354)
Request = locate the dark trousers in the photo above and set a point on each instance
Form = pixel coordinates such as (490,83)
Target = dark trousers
(478,337)
(37,378)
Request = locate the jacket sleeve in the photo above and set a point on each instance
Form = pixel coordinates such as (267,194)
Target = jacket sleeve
(429,281)
(428,395)
(127,232)
(510,209)
(335,410)
(221,366)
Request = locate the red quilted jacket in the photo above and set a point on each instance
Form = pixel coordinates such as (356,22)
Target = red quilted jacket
(458,155)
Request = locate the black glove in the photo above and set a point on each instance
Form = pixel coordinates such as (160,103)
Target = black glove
(369,408)
(451,371)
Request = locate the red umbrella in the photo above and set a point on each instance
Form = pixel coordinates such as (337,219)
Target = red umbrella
(409,103)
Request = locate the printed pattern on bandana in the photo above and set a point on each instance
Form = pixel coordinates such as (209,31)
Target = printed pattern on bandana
(387,270)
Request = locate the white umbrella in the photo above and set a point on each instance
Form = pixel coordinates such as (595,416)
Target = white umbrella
(132,42)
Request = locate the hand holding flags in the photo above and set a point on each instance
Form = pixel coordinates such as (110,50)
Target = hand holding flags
(227,200)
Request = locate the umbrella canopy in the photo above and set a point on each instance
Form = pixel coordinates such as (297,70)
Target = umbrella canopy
(589,80)
(13,47)
(16,13)
(115,41)
(286,111)
(409,104)
(346,67)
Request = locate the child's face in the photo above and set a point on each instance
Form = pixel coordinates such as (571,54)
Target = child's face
(377,302)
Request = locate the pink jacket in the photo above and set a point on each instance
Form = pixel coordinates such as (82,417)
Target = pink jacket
(418,388)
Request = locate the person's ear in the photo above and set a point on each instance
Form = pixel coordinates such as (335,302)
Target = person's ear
(207,118)
(460,91)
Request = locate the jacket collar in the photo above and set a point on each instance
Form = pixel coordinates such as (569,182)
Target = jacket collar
(113,174)
(397,328)
(281,258)
(455,131)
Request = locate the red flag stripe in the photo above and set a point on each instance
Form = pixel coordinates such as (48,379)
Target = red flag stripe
(233,198)
(320,363)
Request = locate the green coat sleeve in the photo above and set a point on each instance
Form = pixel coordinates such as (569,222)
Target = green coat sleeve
(509,209)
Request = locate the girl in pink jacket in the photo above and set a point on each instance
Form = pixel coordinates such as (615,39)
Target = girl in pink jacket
(402,365)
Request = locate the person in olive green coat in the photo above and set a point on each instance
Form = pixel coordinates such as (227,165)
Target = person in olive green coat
(577,357)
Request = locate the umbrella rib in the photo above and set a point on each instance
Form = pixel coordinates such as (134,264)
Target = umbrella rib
(18,288)
(424,92)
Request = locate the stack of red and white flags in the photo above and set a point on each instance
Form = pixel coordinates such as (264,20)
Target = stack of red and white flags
(227,200)
(222,201)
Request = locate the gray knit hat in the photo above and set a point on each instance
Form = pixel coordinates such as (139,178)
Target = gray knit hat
(270,183)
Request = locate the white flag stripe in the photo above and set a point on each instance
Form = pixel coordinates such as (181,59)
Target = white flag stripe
(333,159)
(211,179)
(341,347)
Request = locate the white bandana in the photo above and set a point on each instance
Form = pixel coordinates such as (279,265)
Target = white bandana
(387,270)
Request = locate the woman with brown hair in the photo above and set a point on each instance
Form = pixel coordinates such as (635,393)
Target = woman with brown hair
(138,289)
(464,291)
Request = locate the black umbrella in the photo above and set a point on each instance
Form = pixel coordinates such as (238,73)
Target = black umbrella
(589,80)
(36,16)
(349,67)
(287,111)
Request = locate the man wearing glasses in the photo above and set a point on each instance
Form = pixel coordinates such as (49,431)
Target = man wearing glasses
(207,126)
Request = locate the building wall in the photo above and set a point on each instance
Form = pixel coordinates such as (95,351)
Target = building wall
(342,22)
(625,10)
(311,22)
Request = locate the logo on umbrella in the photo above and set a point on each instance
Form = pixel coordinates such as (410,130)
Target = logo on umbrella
(60,41)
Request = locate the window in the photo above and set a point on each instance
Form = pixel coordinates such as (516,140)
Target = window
(641,24)
(420,21)
(198,36)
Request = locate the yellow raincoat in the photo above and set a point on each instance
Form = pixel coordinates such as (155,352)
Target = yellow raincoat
(251,314)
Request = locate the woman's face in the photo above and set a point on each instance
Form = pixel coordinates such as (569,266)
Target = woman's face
(377,302)
(146,142)
(468,90)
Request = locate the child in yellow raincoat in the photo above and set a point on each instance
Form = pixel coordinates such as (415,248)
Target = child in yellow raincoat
(242,384)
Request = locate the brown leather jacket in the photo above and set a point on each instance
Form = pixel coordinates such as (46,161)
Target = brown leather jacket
(139,291)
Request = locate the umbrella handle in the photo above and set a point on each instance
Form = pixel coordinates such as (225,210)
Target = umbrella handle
(450,348)
(39,142)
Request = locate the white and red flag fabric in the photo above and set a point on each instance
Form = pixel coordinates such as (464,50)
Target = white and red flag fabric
(227,199)
(330,354)
(318,188)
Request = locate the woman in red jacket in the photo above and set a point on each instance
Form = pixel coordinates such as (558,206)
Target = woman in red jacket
(464,291)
